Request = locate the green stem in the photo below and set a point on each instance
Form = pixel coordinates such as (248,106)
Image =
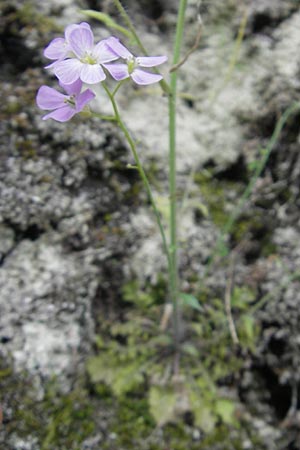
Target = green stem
(120,83)
(141,171)
(163,84)
(129,24)
(249,189)
(172,177)
(292,277)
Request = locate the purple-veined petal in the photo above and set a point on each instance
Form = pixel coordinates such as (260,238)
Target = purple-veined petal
(103,52)
(144,78)
(57,49)
(118,48)
(70,28)
(61,114)
(84,98)
(92,73)
(49,98)
(117,71)
(72,89)
(68,71)
(150,61)
(81,41)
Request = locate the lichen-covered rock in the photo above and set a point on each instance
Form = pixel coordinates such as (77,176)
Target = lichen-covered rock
(74,228)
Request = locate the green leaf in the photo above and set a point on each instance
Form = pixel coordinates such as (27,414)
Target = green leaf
(201,207)
(107,20)
(190,300)
(121,378)
(225,409)
(242,297)
(248,331)
(133,294)
(203,412)
(190,349)
(162,401)
(249,326)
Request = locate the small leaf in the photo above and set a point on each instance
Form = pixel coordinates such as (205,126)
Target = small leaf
(107,20)
(225,409)
(162,401)
(190,349)
(121,378)
(203,412)
(249,326)
(190,300)
(201,207)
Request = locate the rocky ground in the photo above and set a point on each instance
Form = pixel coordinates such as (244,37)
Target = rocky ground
(82,271)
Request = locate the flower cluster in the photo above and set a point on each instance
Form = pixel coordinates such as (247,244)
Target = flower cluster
(77,60)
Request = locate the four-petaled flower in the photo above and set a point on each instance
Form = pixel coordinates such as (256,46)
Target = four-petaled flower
(59,48)
(120,71)
(63,107)
(85,63)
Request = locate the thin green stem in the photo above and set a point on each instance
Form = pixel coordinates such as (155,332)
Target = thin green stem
(291,277)
(129,24)
(118,86)
(163,84)
(172,178)
(141,171)
(258,170)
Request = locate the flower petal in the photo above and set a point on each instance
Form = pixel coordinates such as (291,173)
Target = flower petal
(68,71)
(51,65)
(81,41)
(61,114)
(117,71)
(103,53)
(57,49)
(70,28)
(144,78)
(49,98)
(84,98)
(92,73)
(118,48)
(73,88)
(151,61)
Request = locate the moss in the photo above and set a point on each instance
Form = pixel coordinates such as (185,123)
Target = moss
(257,227)
(133,352)
(214,193)
(57,421)
(26,149)
(12,107)
(27,15)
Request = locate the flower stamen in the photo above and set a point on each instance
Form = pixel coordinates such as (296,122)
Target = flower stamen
(88,59)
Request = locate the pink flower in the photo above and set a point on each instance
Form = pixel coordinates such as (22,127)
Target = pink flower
(120,71)
(86,60)
(59,48)
(63,107)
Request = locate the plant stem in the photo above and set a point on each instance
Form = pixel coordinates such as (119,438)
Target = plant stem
(141,171)
(295,107)
(120,83)
(163,84)
(173,274)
